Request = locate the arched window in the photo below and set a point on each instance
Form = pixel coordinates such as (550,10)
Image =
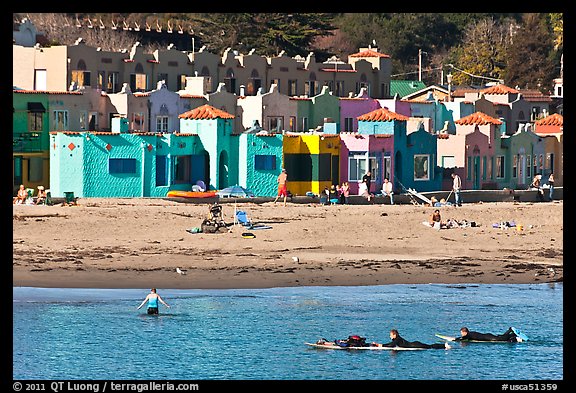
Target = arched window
(81,77)
(230,81)
(254,83)
(138,80)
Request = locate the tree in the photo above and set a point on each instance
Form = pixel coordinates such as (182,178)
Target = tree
(531,63)
(482,52)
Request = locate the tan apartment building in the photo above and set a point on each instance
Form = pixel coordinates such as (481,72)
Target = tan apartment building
(60,68)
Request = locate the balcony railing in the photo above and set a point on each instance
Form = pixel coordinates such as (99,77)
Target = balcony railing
(26,142)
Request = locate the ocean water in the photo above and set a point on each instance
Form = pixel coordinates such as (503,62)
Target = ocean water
(259,334)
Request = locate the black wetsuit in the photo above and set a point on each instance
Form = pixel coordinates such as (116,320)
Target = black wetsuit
(509,335)
(400,342)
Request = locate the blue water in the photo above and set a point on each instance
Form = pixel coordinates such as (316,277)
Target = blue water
(259,334)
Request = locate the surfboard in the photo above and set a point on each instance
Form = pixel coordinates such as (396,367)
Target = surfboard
(191,194)
(447,338)
(520,337)
(333,346)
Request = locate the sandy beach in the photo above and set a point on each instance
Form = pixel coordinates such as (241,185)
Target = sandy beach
(139,243)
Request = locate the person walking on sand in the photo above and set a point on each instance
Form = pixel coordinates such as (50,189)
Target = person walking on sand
(457,187)
(282,186)
(153,298)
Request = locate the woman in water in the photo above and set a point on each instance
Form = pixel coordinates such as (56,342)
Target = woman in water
(153,298)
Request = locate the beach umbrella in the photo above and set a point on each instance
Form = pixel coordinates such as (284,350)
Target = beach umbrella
(235,192)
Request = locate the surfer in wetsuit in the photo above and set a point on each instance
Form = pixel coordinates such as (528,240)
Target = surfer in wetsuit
(153,298)
(398,341)
(467,335)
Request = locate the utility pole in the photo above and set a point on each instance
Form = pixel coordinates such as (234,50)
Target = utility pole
(420,65)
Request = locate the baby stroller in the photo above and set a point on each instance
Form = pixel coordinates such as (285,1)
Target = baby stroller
(214,222)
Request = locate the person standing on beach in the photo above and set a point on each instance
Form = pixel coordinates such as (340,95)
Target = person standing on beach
(457,187)
(153,298)
(367,178)
(282,186)
(551,184)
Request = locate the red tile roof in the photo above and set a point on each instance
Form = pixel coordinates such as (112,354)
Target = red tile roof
(382,114)
(369,53)
(205,112)
(478,118)
(499,89)
(552,120)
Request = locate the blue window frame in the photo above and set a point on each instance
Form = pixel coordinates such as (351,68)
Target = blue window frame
(122,165)
(264,162)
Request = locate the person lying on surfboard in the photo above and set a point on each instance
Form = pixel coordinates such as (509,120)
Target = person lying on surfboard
(398,341)
(468,335)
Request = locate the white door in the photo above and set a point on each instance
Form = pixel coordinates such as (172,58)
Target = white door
(40,80)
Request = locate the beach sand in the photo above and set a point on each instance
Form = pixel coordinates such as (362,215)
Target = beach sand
(139,243)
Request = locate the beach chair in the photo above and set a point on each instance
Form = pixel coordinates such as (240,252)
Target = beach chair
(30,197)
(243,219)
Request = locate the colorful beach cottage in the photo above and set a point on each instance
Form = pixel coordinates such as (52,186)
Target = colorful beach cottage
(413,156)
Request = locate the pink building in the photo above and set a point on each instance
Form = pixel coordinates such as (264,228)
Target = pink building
(359,152)
(352,107)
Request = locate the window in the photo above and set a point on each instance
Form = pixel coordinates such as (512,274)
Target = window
(484,161)
(60,120)
(421,167)
(40,79)
(101,80)
(181,85)
(469,169)
(81,78)
(138,82)
(528,166)
(275,123)
(535,165)
(35,121)
(387,166)
(182,169)
(112,83)
(264,162)
(515,166)
(357,166)
(384,90)
(359,163)
(310,88)
(93,121)
(339,92)
(448,162)
(304,124)
(550,162)
(161,171)
(161,123)
(489,168)
(348,124)
(35,169)
(292,87)
(500,167)
(137,121)
(163,77)
(122,165)
(541,163)
(83,120)
(292,123)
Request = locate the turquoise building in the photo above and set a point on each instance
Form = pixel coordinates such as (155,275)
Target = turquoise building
(260,162)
